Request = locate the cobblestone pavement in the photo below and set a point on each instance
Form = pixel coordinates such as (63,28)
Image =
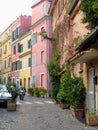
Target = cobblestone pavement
(39,114)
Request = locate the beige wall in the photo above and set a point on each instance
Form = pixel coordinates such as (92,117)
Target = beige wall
(5,53)
(23,56)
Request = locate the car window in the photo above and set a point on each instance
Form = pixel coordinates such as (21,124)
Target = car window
(3,89)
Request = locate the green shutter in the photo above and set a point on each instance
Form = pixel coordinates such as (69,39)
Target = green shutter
(29,43)
(21,48)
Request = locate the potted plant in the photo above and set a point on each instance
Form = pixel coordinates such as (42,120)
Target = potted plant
(91,117)
(61,96)
(11,105)
(76,96)
(54,68)
(64,83)
(42,92)
(36,92)
(31,91)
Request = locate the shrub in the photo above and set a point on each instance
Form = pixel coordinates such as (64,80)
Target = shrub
(31,91)
(12,88)
(50,91)
(54,68)
(36,92)
(90,10)
(42,91)
(76,93)
(65,82)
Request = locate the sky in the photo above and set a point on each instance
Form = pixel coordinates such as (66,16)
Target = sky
(11,9)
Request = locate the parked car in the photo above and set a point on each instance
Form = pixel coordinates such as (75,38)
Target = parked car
(4,94)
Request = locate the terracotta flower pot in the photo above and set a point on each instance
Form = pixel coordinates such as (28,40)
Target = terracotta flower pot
(91,120)
(55,101)
(11,106)
(77,113)
(64,105)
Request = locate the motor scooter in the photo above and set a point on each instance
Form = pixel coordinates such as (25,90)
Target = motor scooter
(21,95)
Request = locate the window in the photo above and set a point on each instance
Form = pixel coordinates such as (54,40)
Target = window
(33,80)
(9,60)
(24,82)
(43,9)
(20,82)
(42,57)
(12,66)
(20,47)
(16,34)
(29,62)
(14,50)
(63,3)
(72,6)
(33,59)
(34,38)
(20,65)
(5,49)
(9,46)
(28,82)
(43,31)
(5,64)
(59,9)
(29,43)
(42,80)
(17,65)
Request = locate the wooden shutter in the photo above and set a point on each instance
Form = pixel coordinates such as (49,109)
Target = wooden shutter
(34,38)
(33,59)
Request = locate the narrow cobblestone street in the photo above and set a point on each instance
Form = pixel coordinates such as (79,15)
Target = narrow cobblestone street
(39,114)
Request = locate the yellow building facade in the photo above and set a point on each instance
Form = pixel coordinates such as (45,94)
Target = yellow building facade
(25,60)
(5,55)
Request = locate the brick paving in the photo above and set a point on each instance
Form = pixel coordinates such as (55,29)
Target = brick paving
(40,114)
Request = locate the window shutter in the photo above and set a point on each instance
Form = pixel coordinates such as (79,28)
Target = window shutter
(33,80)
(29,62)
(34,38)
(12,36)
(29,43)
(20,65)
(20,48)
(33,59)
(18,32)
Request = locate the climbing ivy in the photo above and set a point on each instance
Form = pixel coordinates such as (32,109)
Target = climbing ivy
(90,10)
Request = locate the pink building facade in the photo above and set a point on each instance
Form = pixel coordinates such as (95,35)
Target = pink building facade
(41,48)
(19,26)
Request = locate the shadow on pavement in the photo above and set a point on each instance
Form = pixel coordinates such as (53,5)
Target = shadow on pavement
(3,105)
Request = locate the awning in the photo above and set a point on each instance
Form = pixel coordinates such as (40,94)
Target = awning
(84,56)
